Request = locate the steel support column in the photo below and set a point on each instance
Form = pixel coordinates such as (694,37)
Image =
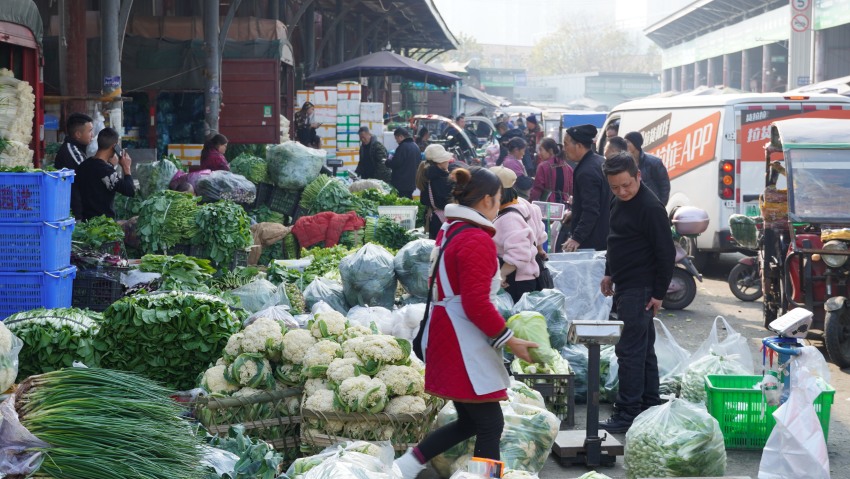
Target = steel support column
(340,32)
(767,77)
(310,41)
(697,74)
(665,79)
(77,52)
(212,90)
(110,60)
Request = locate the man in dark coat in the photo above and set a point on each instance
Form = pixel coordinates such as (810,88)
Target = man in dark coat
(373,157)
(79,132)
(405,163)
(591,193)
(653,173)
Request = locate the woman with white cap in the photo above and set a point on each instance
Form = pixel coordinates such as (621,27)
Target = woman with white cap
(432,179)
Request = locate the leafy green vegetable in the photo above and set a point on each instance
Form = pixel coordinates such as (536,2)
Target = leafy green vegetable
(392,199)
(330,194)
(127,207)
(168,337)
(386,232)
(257,459)
(233,279)
(252,167)
(97,231)
(167,219)
(180,272)
(237,149)
(155,177)
(54,338)
(222,229)
(264,214)
(172,158)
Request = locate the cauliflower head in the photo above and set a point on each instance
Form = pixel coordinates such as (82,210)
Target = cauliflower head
(265,335)
(295,344)
(382,348)
(406,405)
(355,331)
(402,380)
(252,370)
(321,400)
(327,325)
(363,394)
(233,348)
(319,356)
(368,431)
(214,381)
(315,384)
(342,368)
(289,374)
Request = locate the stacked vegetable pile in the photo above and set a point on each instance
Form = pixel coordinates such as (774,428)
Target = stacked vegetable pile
(346,460)
(385,231)
(254,168)
(104,423)
(330,194)
(179,272)
(530,430)
(292,166)
(155,177)
(10,346)
(368,277)
(96,232)
(17,109)
(412,266)
(54,339)
(238,456)
(168,337)
(224,185)
(167,219)
(222,228)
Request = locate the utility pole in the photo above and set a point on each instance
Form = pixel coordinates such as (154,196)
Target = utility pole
(111,61)
(212,90)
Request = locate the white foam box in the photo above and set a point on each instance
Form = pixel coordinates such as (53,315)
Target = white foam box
(329,147)
(302,96)
(348,107)
(190,155)
(327,131)
(347,124)
(389,140)
(325,115)
(325,96)
(375,127)
(372,112)
(348,91)
(350,157)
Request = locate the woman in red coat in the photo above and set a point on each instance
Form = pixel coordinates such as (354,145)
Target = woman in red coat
(464,337)
(212,156)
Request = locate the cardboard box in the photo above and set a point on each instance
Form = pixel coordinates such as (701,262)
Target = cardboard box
(190,155)
(348,91)
(372,112)
(325,96)
(348,107)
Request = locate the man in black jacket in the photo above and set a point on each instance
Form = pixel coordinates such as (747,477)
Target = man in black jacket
(98,179)
(373,158)
(591,193)
(640,262)
(405,163)
(79,132)
(652,170)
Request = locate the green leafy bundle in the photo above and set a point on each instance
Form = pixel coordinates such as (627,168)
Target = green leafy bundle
(252,167)
(264,214)
(392,199)
(97,231)
(180,272)
(330,194)
(54,338)
(387,232)
(168,337)
(103,423)
(235,278)
(222,228)
(172,158)
(257,459)
(324,261)
(167,219)
(155,177)
(127,207)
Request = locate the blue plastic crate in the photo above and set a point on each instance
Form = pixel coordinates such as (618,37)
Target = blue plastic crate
(43,196)
(25,291)
(44,246)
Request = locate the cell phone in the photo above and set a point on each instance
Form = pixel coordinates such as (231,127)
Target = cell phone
(118,151)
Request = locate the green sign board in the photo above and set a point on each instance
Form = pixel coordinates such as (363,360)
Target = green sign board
(267,111)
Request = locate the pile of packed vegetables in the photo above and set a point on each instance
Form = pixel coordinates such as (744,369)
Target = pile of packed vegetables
(17,109)
(96,232)
(167,219)
(251,167)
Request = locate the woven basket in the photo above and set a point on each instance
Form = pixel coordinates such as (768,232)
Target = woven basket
(267,416)
(402,430)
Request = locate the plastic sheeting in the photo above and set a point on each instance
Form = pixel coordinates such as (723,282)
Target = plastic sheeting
(577,275)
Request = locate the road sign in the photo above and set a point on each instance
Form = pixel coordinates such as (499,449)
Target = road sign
(800,23)
(800,5)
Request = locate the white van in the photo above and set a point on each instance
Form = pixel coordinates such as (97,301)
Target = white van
(713,147)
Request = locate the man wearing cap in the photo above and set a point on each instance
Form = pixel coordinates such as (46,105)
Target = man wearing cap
(533,136)
(404,163)
(591,193)
(653,173)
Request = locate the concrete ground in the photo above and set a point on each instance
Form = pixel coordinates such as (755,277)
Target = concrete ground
(690,327)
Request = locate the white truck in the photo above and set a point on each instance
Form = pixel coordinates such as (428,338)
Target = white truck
(713,148)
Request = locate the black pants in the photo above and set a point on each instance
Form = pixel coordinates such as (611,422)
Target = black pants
(638,373)
(517,288)
(482,420)
(405,194)
(434,225)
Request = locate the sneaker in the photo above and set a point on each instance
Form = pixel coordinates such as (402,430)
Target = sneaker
(616,424)
(409,465)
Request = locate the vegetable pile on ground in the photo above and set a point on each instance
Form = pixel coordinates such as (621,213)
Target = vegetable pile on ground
(105,423)
(330,194)
(676,439)
(346,460)
(368,277)
(168,337)
(154,177)
(385,231)
(10,346)
(222,228)
(293,166)
(54,339)
(179,272)
(97,231)
(242,456)
(167,219)
(17,108)
(251,167)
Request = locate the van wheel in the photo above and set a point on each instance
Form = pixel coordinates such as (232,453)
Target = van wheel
(837,337)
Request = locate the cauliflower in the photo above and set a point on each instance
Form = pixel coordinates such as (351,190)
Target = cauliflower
(221,362)
(292,406)
(368,431)
(363,394)
(328,325)
(343,368)
(382,348)
(233,348)
(246,392)
(289,374)
(417,364)
(313,385)
(214,382)
(406,405)
(365,448)
(252,370)
(321,400)
(265,335)
(402,380)
(319,356)
(296,342)
(350,345)
(355,331)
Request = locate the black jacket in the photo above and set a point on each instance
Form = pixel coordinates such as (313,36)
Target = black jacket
(372,164)
(404,164)
(98,182)
(440,187)
(654,175)
(640,247)
(71,155)
(591,204)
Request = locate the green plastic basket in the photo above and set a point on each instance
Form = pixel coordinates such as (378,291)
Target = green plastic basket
(745,418)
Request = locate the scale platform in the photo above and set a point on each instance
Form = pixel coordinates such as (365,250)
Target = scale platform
(569,448)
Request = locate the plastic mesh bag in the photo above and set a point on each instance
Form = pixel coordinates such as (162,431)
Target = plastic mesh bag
(676,439)
(293,166)
(327,291)
(259,294)
(552,305)
(412,266)
(224,185)
(368,277)
(672,359)
(155,176)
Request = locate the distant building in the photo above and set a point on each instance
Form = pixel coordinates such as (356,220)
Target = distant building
(598,90)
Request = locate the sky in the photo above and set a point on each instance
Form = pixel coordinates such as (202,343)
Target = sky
(523,22)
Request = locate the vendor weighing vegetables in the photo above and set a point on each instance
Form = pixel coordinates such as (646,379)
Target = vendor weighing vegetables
(99,181)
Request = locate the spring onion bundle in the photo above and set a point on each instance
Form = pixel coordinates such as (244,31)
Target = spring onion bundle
(105,423)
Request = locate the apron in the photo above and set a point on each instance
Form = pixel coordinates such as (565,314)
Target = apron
(484,364)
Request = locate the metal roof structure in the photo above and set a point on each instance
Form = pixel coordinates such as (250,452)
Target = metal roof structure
(703,16)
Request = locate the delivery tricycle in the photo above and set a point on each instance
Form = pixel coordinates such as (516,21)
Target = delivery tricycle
(804,253)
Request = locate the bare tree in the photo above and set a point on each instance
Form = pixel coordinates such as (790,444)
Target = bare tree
(468,50)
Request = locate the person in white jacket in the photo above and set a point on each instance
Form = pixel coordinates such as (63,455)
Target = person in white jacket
(520,234)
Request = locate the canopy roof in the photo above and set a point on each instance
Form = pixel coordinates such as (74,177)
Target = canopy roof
(385,63)
(23,12)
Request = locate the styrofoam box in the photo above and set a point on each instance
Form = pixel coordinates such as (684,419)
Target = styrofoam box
(372,112)
(348,91)
(325,96)
(348,107)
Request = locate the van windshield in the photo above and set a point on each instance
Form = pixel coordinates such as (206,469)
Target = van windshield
(819,183)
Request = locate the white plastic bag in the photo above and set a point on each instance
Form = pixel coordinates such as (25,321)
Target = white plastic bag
(406,321)
(734,347)
(15,440)
(796,447)
(672,359)
(10,348)
(366,315)
(278,313)
(260,294)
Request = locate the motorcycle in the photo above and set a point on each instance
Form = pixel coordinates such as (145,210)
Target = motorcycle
(687,221)
(745,279)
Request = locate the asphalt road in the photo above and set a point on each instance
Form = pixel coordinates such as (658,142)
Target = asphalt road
(690,328)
